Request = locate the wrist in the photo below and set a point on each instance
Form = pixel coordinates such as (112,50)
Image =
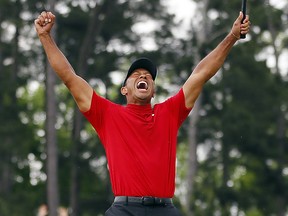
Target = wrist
(43,34)
(234,35)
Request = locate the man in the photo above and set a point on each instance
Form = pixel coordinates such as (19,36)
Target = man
(139,140)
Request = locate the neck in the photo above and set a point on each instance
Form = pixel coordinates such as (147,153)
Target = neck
(139,101)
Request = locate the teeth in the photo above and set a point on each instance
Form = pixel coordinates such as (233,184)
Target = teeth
(142,85)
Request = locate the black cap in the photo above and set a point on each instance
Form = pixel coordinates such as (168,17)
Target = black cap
(144,63)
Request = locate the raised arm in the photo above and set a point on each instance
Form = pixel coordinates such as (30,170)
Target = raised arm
(79,88)
(208,66)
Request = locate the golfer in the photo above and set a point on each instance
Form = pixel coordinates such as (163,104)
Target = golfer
(139,139)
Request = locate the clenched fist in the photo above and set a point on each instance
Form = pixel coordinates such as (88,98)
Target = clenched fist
(44,22)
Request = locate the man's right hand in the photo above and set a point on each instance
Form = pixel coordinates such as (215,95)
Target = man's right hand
(44,23)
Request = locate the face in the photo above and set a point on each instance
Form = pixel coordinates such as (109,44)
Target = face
(139,88)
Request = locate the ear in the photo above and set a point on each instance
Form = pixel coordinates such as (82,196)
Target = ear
(123,90)
(154,91)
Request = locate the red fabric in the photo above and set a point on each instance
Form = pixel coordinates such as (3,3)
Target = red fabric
(140,144)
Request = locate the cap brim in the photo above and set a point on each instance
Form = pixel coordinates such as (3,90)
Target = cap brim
(144,63)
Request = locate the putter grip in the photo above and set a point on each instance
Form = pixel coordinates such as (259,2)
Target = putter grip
(243,9)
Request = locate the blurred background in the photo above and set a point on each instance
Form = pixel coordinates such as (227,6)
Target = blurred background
(233,148)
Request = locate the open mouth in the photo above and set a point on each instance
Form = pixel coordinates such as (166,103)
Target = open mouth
(142,85)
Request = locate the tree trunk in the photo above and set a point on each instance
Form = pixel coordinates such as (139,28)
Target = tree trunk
(51,135)
(281,128)
(4,159)
(280,122)
(192,156)
(6,170)
(75,185)
(201,36)
(93,30)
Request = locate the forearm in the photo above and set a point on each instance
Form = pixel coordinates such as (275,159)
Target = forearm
(209,66)
(206,69)
(56,58)
(79,88)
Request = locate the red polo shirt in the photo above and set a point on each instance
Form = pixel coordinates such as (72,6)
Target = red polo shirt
(140,144)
